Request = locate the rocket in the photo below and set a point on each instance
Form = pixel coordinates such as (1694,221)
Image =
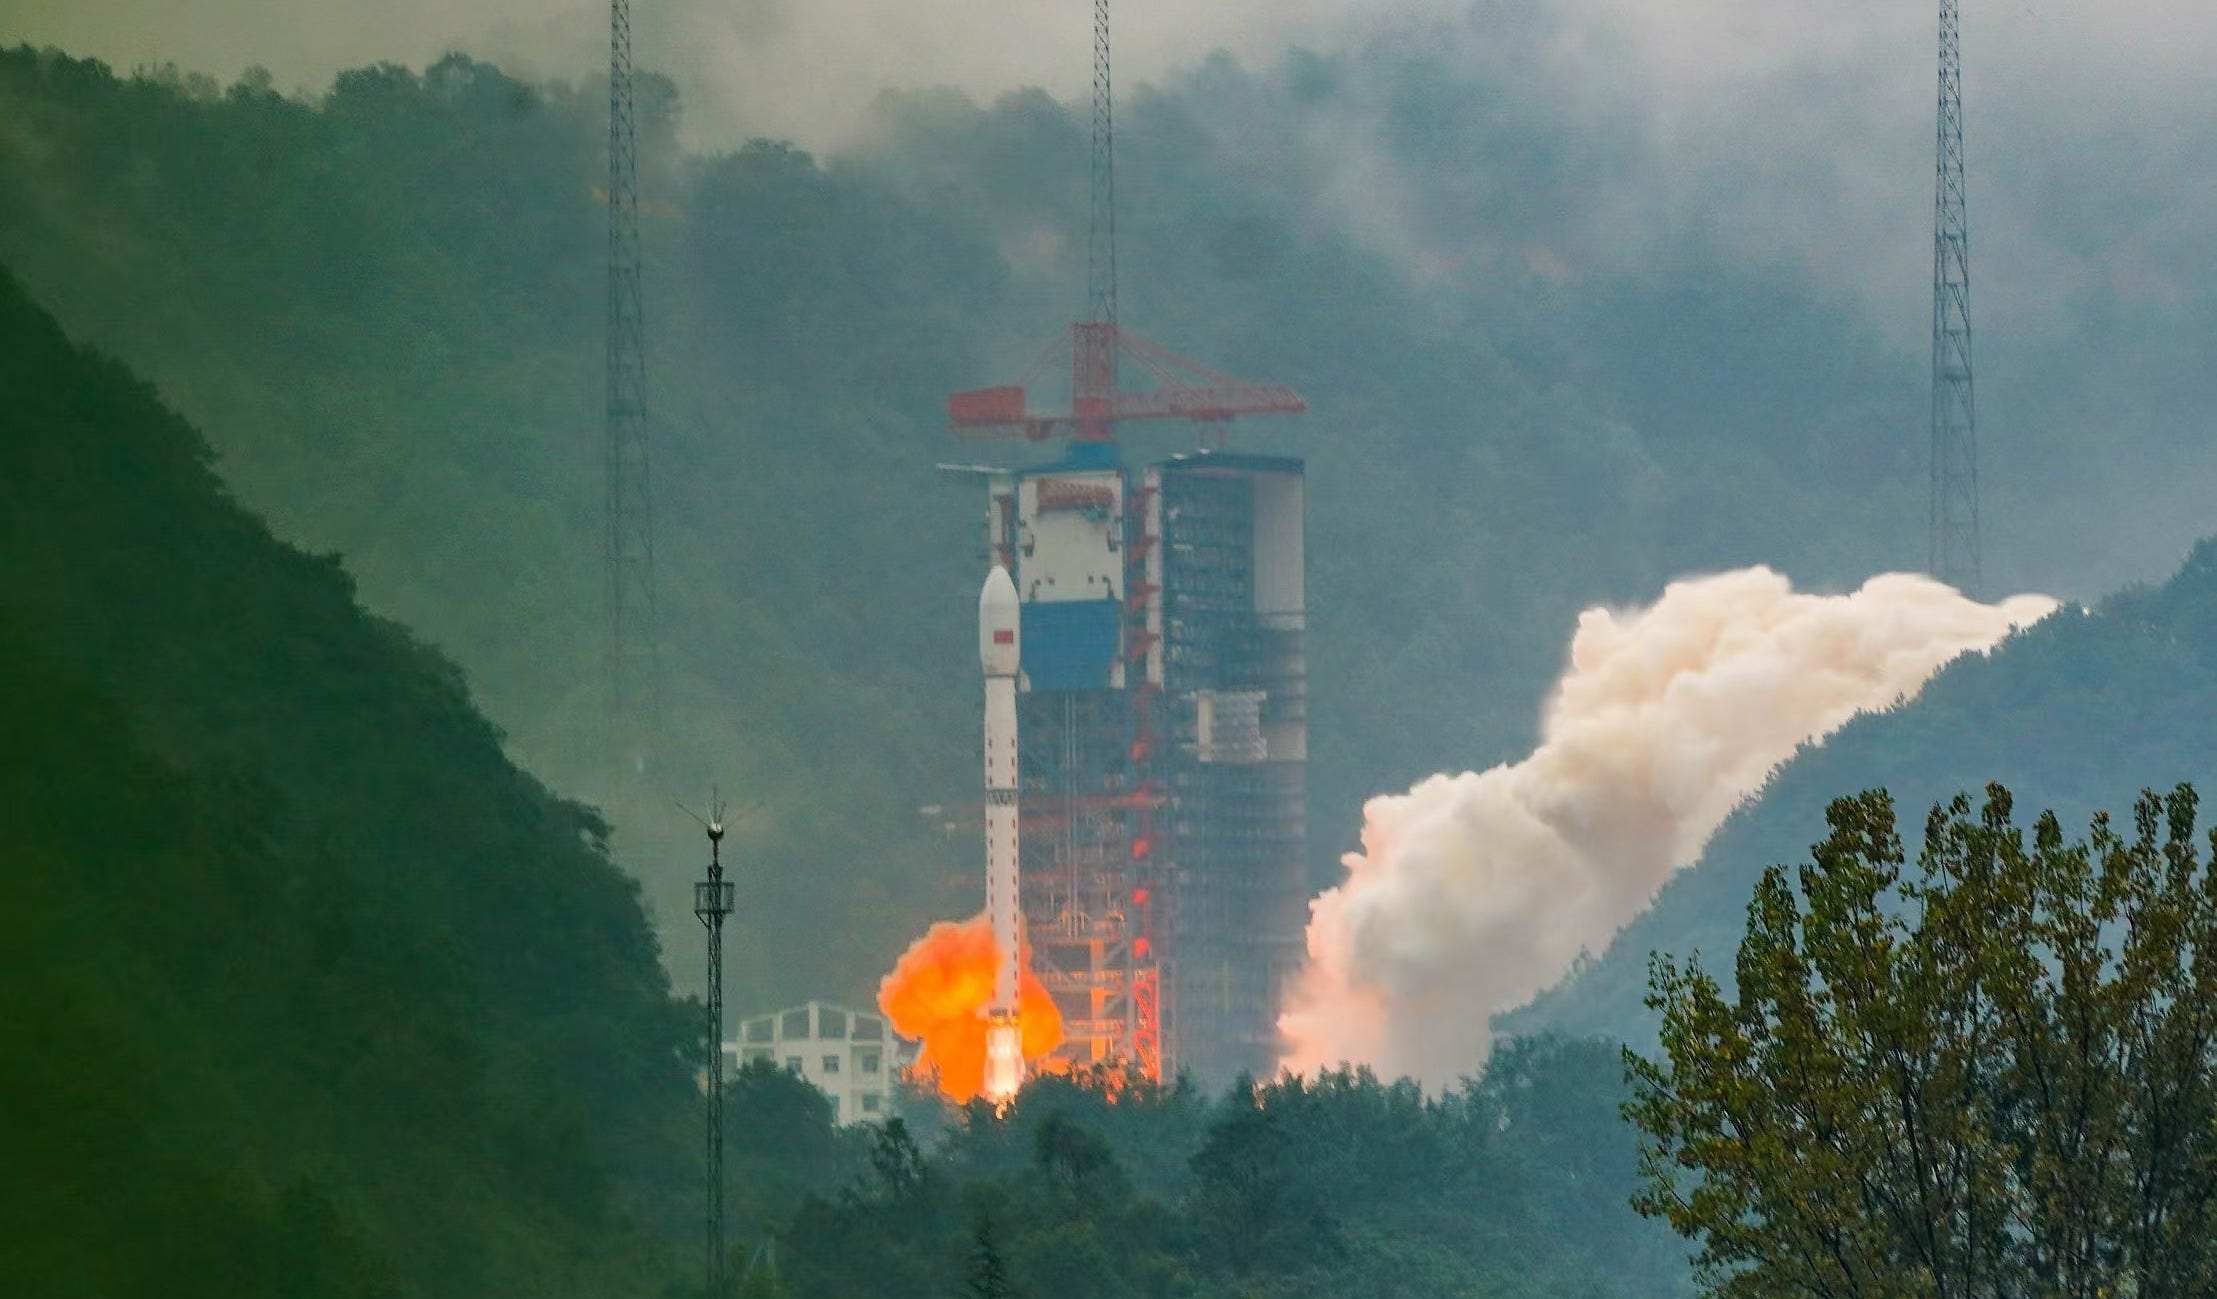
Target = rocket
(1000,653)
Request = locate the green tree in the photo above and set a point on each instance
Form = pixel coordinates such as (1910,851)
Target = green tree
(898,1161)
(1997,1078)
(782,1144)
(988,1271)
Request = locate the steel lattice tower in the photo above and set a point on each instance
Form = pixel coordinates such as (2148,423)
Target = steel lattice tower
(1100,303)
(1094,342)
(633,684)
(1953,554)
(713,899)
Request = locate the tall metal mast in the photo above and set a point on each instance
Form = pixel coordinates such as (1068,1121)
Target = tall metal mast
(633,675)
(1094,341)
(1953,551)
(712,901)
(1100,299)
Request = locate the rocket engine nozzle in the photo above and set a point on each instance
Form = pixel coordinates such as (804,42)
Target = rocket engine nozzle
(1004,1057)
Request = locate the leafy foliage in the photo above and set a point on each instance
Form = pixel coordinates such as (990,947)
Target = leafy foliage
(1997,1077)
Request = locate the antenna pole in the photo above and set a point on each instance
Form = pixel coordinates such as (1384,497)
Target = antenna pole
(712,901)
(1953,548)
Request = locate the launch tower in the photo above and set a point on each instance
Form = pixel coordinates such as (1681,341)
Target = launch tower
(1161,706)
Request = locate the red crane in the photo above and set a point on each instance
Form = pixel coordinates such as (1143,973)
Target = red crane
(1184,389)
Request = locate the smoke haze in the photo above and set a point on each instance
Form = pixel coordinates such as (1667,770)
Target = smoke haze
(805,70)
(1642,143)
(1473,892)
(1797,131)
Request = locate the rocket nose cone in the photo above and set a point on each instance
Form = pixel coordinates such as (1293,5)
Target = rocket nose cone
(999,593)
(998,619)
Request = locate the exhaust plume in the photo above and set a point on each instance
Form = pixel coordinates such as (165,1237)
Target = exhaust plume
(938,993)
(1473,892)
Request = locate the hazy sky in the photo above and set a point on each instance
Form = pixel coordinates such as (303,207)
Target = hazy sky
(803,69)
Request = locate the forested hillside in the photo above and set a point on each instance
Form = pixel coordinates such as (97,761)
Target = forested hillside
(386,306)
(2077,714)
(309,990)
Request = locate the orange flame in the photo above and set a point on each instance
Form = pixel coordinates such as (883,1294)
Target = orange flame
(938,992)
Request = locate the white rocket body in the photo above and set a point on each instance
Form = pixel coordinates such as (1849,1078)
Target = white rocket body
(1000,653)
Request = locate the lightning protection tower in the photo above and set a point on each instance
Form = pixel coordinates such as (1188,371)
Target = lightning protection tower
(632,670)
(713,899)
(1953,553)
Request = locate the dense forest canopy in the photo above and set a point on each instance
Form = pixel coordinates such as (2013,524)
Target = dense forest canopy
(1513,1184)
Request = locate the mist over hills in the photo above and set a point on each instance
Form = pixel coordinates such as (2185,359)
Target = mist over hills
(385,303)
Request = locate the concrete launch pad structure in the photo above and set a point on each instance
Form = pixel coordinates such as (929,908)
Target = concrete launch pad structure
(1163,726)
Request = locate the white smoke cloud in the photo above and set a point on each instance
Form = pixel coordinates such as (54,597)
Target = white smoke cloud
(1473,892)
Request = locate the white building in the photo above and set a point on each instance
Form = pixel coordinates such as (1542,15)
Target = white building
(850,1055)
